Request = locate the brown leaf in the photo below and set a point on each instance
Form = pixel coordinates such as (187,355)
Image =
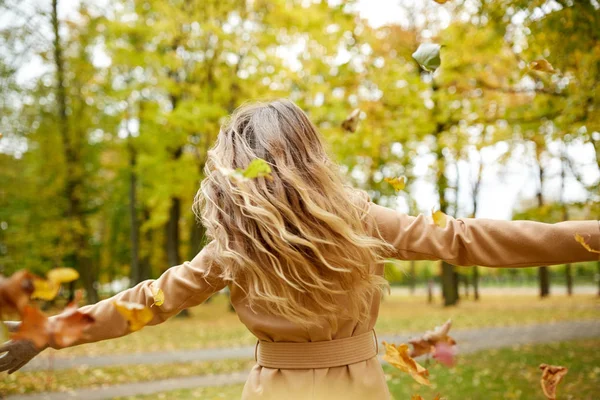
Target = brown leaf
(426,343)
(351,123)
(33,327)
(551,377)
(541,65)
(68,326)
(16,291)
(398,357)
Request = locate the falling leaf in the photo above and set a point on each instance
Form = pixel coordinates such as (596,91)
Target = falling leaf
(137,315)
(541,65)
(551,377)
(426,344)
(258,168)
(397,183)
(428,56)
(62,275)
(45,289)
(444,353)
(439,218)
(398,357)
(159,297)
(351,123)
(16,291)
(33,327)
(582,241)
(441,1)
(62,330)
(68,326)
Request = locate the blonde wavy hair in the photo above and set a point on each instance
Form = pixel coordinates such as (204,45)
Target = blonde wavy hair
(296,244)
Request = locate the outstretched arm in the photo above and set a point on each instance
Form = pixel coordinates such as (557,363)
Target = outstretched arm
(486,242)
(183,286)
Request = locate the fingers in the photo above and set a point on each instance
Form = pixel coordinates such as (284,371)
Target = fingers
(6,346)
(18,367)
(6,364)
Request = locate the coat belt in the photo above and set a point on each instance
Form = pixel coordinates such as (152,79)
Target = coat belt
(314,355)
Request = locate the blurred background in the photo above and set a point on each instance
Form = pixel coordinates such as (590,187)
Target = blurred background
(108,107)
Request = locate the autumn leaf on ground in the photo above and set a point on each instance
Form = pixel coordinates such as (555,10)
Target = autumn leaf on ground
(541,65)
(158,295)
(397,183)
(137,315)
(439,218)
(426,344)
(16,291)
(351,123)
(582,241)
(551,377)
(418,397)
(398,357)
(428,56)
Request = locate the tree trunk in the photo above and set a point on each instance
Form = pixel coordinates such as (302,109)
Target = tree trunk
(135,273)
(449,284)
(172,233)
(413,277)
(145,263)
(544,278)
(569,279)
(78,257)
(476,283)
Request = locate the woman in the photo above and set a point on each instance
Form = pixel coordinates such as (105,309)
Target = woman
(303,253)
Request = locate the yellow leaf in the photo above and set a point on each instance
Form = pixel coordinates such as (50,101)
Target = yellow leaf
(441,1)
(397,183)
(45,289)
(582,241)
(62,275)
(258,168)
(159,297)
(541,65)
(398,357)
(137,315)
(551,377)
(439,218)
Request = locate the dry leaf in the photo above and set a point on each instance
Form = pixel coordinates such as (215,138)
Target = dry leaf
(351,123)
(582,241)
(441,1)
(551,377)
(398,357)
(45,289)
(137,315)
(541,65)
(68,326)
(33,327)
(444,353)
(426,343)
(16,291)
(416,397)
(158,295)
(439,218)
(397,183)
(62,275)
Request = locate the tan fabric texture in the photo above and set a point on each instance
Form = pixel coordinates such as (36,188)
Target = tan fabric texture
(463,242)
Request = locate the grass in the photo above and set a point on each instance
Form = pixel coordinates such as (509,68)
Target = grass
(86,377)
(212,325)
(492,374)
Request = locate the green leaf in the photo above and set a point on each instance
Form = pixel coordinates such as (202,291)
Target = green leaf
(428,56)
(258,168)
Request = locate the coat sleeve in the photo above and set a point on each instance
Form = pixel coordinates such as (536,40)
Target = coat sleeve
(184,286)
(485,242)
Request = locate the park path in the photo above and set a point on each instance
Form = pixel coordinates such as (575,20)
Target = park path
(470,341)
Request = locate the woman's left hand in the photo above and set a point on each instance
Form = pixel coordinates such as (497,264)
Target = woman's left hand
(15,354)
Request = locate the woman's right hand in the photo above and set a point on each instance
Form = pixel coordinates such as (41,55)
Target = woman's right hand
(16,353)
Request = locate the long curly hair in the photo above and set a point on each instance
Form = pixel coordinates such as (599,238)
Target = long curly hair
(295,244)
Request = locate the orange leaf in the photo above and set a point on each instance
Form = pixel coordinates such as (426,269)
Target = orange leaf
(68,326)
(137,315)
(16,291)
(586,246)
(551,377)
(398,357)
(416,397)
(34,327)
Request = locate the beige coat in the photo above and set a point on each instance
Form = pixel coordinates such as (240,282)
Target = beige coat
(462,242)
